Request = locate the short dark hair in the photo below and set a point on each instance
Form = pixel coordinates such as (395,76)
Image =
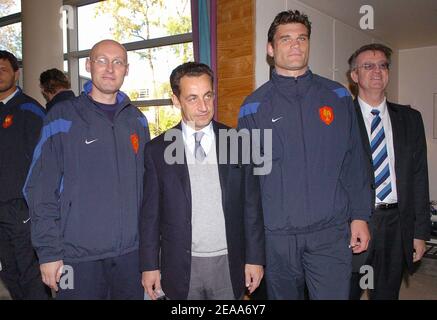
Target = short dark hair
(6,55)
(190,69)
(286,17)
(52,80)
(369,47)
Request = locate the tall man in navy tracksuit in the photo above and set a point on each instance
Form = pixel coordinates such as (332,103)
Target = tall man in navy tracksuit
(21,119)
(84,187)
(316,199)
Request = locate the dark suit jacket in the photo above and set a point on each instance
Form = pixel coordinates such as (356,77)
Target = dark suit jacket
(61,96)
(411,168)
(165,219)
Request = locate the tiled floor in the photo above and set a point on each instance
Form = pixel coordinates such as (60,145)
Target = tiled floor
(4,295)
(423,284)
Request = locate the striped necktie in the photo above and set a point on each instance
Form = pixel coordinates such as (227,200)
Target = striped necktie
(199,153)
(380,157)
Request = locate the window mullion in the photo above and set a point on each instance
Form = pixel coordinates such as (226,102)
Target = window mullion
(72,46)
(11,19)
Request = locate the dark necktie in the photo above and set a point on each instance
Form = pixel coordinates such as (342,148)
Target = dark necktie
(380,157)
(199,153)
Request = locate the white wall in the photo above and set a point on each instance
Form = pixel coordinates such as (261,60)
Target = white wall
(332,43)
(417,86)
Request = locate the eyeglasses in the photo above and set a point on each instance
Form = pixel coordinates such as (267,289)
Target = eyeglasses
(103,61)
(372,66)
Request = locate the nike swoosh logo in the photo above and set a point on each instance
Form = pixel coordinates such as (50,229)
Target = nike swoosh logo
(277,119)
(26,221)
(91,141)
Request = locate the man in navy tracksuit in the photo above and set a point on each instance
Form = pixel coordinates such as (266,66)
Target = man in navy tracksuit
(21,119)
(316,199)
(55,87)
(84,186)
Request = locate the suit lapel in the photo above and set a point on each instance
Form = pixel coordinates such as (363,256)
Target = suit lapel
(398,136)
(182,169)
(222,168)
(363,129)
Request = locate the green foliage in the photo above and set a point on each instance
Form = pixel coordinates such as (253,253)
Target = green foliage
(165,118)
(141,19)
(180,25)
(135,20)
(10,36)
(133,95)
(132,17)
(10,40)
(164,90)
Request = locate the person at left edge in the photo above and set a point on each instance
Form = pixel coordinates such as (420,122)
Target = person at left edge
(21,119)
(84,187)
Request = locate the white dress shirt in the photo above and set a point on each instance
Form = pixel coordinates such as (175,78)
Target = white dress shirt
(366,110)
(208,139)
(6,100)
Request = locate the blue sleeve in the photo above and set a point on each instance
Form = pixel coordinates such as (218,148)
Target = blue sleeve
(246,117)
(43,188)
(150,217)
(356,178)
(34,117)
(253,219)
(145,124)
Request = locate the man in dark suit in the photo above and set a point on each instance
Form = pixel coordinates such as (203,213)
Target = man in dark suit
(201,226)
(394,139)
(55,87)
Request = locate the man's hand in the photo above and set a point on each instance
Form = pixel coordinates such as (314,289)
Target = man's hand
(51,273)
(360,236)
(254,273)
(151,281)
(419,249)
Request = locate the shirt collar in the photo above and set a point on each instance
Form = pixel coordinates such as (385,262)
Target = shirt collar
(6,100)
(189,132)
(366,108)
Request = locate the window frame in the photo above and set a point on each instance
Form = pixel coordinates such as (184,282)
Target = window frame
(73,54)
(12,19)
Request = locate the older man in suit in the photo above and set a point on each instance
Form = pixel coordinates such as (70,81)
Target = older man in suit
(201,226)
(394,140)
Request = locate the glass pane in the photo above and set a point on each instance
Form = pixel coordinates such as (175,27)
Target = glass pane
(132,20)
(8,7)
(84,76)
(65,66)
(161,118)
(10,39)
(64,31)
(149,71)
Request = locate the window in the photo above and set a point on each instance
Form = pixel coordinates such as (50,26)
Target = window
(10,27)
(9,7)
(161,118)
(158,37)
